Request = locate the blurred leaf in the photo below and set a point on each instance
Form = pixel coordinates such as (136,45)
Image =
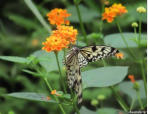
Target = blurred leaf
(92,93)
(87,14)
(35,11)
(30,72)
(127,88)
(48,60)
(31,96)
(23,21)
(84,110)
(14,59)
(115,40)
(110,111)
(104,77)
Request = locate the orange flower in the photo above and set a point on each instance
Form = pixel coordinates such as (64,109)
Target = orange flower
(67,33)
(60,38)
(109,15)
(113,11)
(53,92)
(58,16)
(35,42)
(48,98)
(119,55)
(132,78)
(119,9)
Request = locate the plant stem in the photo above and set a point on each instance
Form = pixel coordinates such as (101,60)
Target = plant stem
(50,88)
(61,77)
(81,23)
(124,40)
(74,101)
(139,100)
(139,31)
(143,76)
(132,104)
(120,100)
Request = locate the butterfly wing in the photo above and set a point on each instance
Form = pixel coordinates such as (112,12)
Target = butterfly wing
(73,74)
(95,53)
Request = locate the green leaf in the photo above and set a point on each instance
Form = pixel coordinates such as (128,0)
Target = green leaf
(104,77)
(115,40)
(127,88)
(36,12)
(48,60)
(14,59)
(110,111)
(23,21)
(87,14)
(84,110)
(31,96)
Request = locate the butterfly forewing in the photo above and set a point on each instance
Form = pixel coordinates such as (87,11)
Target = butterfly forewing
(95,53)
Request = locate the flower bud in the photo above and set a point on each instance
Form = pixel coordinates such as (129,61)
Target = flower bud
(141,9)
(94,102)
(135,24)
(101,97)
(136,86)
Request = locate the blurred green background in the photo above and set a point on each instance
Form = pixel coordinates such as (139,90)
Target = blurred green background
(21,34)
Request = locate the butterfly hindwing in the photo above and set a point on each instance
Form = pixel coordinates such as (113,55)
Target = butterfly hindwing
(73,73)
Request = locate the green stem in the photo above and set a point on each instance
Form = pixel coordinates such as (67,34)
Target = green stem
(139,100)
(125,42)
(139,31)
(120,100)
(61,77)
(143,77)
(132,104)
(74,101)
(50,88)
(81,23)
(135,31)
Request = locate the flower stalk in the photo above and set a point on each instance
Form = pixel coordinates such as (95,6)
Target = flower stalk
(119,99)
(61,79)
(50,88)
(81,23)
(124,40)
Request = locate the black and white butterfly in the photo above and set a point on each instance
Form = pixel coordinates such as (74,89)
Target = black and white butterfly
(80,57)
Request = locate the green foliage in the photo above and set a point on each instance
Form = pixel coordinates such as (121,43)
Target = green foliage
(87,14)
(104,77)
(14,59)
(31,96)
(127,89)
(117,41)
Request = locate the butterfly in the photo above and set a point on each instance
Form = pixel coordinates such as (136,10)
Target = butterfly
(80,57)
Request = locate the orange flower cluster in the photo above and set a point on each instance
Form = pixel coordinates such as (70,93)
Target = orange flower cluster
(57,17)
(60,38)
(132,78)
(119,55)
(54,92)
(113,11)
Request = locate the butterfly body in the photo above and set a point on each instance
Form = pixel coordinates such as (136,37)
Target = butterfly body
(80,57)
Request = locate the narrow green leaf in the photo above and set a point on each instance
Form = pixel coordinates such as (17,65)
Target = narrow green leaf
(104,77)
(35,11)
(31,96)
(14,59)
